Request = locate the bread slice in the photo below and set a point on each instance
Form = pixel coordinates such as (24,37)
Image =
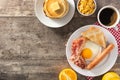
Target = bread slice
(96,35)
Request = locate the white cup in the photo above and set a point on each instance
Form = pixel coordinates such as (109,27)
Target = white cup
(116,21)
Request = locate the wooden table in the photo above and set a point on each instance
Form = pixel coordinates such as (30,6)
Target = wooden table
(31,51)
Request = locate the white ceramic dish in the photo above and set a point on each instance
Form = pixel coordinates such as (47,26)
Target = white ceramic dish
(88,14)
(105,65)
(53,23)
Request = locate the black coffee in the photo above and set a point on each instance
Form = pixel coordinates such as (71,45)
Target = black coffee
(108,16)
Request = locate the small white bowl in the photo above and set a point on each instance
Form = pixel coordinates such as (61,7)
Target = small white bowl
(88,14)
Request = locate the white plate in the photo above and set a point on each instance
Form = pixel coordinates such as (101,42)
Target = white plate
(105,65)
(54,23)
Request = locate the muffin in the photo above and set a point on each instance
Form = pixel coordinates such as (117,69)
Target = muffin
(55,8)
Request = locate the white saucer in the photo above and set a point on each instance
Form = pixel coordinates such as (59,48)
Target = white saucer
(54,23)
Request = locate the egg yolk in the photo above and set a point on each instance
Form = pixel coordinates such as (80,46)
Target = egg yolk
(86,53)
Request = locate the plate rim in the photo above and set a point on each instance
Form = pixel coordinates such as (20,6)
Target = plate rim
(73,65)
(60,25)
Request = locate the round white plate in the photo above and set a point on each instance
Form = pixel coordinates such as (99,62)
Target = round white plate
(105,65)
(54,23)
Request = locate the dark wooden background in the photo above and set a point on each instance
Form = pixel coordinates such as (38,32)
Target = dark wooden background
(31,51)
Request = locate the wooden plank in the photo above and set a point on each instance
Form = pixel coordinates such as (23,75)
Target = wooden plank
(24,38)
(39,69)
(29,69)
(17,8)
(26,7)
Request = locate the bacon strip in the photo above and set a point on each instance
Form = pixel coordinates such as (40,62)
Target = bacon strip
(77,47)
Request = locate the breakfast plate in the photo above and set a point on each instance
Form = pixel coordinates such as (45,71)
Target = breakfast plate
(105,65)
(54,23)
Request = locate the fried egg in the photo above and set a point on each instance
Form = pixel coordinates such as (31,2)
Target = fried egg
(90,50)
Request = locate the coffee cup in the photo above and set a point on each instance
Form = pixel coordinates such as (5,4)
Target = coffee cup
(108,16)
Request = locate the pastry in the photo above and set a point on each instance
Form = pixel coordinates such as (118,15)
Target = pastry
(55,8)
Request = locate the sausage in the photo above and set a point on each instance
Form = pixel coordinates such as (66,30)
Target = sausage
(100,57)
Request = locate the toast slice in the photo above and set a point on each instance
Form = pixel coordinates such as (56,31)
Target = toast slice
(96,35)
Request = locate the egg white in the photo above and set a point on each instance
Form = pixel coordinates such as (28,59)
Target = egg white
(95,48)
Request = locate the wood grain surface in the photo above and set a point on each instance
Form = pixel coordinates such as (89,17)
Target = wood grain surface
(31,51)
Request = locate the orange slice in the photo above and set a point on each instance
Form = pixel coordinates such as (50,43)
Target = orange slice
(67,74)
(111,76)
